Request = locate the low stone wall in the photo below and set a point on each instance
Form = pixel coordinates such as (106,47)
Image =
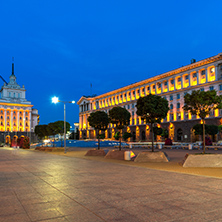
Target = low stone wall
(153,157)
(49,149)
(115,154)
(203,160)
(95,152)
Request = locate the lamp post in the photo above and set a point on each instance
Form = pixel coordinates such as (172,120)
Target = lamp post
(56,100)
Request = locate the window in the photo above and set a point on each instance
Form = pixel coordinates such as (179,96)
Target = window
(171,117)
(148,88)
(185,115)
(143,90)
(178,105)
(132,113)
(203,72)
(18,95)
(211,70)
(178,96)
(171,106)
(172,81)
(179,79)
(9,94)
(154,87)
(132,105)
(185,93)
(159,85)
(128,106)
(171,98)
(186,77)
(133,92)
(195,75)
(138,91)
(165,83)
(202,89)
(220,87)
(211,88)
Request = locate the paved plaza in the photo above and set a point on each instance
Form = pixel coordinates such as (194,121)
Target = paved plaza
(40,186)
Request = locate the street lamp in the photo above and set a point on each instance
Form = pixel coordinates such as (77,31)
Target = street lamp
(56,100)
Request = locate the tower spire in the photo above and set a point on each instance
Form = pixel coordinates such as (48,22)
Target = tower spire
(12,65)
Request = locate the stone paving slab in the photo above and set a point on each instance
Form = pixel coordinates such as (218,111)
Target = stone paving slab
(37,186)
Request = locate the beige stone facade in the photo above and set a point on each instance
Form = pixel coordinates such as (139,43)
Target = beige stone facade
(173,85)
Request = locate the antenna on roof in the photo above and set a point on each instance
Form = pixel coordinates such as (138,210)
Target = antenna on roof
(90,89)
(12,65)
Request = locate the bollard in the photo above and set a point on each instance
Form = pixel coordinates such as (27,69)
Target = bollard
(160,146)
(190,146)
(127,155)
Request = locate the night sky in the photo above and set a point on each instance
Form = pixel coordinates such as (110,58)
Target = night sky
(60,48)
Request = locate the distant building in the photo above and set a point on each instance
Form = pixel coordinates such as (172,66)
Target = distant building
(17,115)
(173,85)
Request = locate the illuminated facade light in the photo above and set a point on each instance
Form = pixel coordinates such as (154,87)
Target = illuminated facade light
(173,85)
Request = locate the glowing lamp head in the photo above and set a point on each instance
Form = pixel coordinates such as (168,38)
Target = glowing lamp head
(73,102)
(55,99)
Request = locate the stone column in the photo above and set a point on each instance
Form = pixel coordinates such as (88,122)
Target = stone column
(207,75)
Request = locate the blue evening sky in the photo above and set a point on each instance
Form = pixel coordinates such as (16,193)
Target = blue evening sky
(61,47)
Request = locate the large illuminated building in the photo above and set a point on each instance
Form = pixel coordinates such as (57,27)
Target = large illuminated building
(17,116)
(173,85)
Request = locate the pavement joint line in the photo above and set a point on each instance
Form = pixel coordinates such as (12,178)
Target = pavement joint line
(22,205)
(65,195)
(128,164)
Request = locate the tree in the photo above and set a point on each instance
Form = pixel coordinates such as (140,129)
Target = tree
(42,131)
(157,131)
(58,127)
(121,118)
(152,109)
(126,135)
(201,103)
(99,120)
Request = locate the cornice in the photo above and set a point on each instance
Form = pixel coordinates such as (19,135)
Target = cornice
(15,104)
(161,76)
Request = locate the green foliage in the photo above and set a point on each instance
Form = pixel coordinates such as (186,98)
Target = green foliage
(165,133)
(117,135)
(101,136)
(152,108)
(157,130)
(220,128)
(198,129)
(98,120)
(42,131)
(58,127)
(201,103)
(127,135)
(209,129)
(26,144)
(120,117)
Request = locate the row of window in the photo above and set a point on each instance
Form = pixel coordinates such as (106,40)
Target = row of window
(8,124)
(14,112)
(115,100)
(14,95)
